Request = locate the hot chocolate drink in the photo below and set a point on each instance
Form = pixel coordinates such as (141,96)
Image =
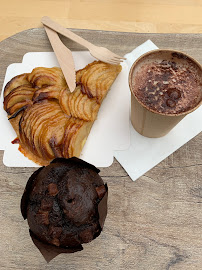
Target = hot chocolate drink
(165,85)
(170,85)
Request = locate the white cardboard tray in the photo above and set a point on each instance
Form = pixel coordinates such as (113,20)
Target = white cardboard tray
(110,131)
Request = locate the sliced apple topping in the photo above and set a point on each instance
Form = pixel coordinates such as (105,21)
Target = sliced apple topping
(49,120)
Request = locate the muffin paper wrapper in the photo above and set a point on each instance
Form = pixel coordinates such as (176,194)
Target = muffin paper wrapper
(49,252)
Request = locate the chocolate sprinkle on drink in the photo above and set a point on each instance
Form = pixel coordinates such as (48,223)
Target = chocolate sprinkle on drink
(168,86)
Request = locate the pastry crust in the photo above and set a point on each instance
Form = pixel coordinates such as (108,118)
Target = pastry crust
(49,120)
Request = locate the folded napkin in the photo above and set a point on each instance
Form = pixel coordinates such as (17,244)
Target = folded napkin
(145,153)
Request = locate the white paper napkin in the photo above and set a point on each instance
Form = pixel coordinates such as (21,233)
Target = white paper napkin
(144,153)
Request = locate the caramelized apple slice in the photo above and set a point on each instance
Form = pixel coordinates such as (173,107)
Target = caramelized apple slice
(80,108)
(103,84)
(91,108)
(42,112)
(41,77)
(52,135)
(32,115)
(78,105)
(73,131)
(17,98)
(75,137)
(100,74)
(93,72)
(15,82)
(25,127)
(66,98)
(32,119)
(79,138)
(42,147)
(79,74)
(64,101)
(94,69)
(74,97)
(75,105)
(49,92)
(67,136)
(56,138)
(36,131)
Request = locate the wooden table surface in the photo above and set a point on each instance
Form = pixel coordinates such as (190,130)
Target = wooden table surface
(141,16)
(152,223)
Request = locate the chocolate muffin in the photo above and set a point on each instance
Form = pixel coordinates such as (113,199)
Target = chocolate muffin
(65,203)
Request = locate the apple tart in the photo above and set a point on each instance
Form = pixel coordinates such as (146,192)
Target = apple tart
(48,119)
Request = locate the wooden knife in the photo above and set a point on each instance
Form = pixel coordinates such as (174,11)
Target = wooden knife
(64,57)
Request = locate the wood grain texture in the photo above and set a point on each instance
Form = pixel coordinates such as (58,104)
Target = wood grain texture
(141,16)
(153,223)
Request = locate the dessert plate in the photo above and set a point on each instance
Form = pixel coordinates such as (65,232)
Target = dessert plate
(110,131)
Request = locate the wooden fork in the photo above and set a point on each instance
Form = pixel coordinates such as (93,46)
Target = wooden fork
(99,53)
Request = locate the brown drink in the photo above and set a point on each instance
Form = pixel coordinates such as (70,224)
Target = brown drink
(165,86)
